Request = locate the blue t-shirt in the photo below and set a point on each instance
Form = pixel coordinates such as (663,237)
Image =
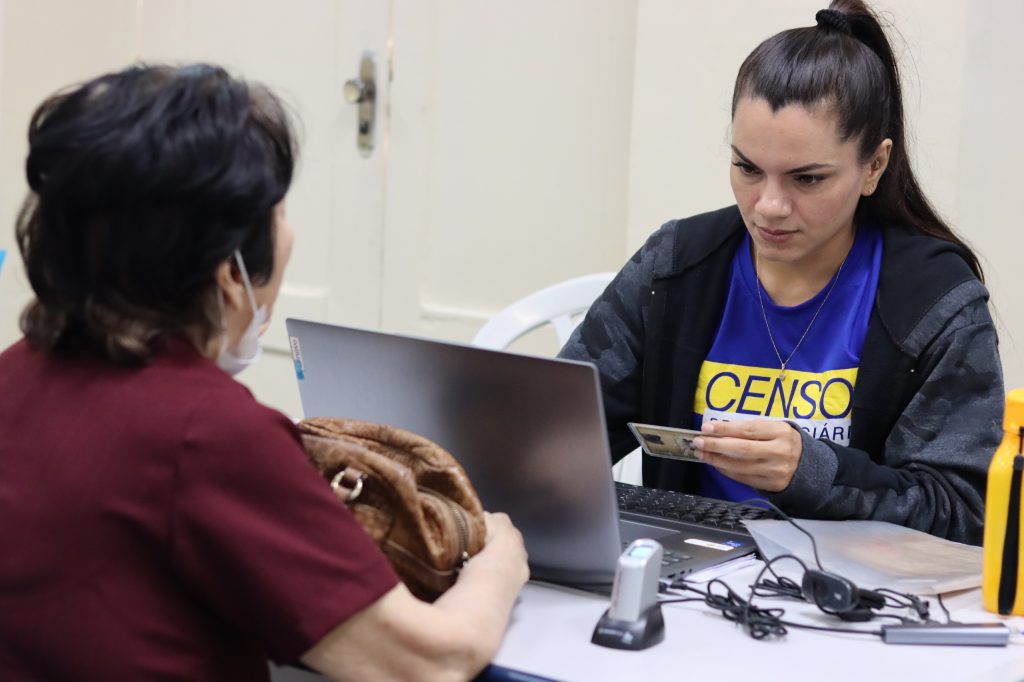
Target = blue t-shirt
(739,378)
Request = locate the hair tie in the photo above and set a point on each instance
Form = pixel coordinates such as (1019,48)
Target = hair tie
(834,19)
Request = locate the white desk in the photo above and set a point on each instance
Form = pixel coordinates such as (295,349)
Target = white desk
(551,627)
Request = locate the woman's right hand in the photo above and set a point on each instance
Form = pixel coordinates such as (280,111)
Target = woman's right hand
(404,638)
(504,548)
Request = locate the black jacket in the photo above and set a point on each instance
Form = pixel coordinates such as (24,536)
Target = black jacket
(927,405)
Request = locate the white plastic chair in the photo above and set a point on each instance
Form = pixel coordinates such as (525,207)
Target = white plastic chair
(558,305)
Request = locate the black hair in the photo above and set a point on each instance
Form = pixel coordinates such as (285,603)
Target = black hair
(142,183)
(846,63)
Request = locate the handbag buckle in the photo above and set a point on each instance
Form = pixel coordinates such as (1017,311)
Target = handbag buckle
(348,483)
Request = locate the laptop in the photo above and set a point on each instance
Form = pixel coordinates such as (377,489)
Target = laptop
(529,431)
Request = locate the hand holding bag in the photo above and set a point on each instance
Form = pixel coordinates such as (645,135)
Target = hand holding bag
(407,492)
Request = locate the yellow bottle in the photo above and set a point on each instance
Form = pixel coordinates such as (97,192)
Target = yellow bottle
(1002,584)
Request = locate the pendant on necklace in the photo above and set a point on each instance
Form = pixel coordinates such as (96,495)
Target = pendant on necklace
(782,374)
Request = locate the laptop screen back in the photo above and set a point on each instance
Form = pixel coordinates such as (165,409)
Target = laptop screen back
(529,431)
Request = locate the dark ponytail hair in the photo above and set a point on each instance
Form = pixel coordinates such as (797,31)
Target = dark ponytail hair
(142,183)
(847,63)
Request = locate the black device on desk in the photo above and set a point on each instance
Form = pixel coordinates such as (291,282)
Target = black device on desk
(529,431)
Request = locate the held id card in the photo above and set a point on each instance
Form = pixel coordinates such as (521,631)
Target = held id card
(667,441)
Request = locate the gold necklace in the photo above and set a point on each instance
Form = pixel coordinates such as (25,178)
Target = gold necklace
(760,299)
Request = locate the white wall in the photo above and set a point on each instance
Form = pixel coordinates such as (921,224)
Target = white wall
(686,60)
(988,209)
(44,45)
(685,67)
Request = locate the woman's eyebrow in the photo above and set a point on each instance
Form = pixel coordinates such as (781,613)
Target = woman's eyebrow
(809,167)
(806,168)
(742,156)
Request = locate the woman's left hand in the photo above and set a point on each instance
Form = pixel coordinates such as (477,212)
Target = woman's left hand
(761,453)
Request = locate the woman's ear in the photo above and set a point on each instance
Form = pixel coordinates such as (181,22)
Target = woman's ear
(229,280)
(876,167)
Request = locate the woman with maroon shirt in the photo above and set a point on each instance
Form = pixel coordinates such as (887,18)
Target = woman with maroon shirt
(156,521)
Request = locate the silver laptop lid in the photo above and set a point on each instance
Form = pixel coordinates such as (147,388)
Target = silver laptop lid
(529,431)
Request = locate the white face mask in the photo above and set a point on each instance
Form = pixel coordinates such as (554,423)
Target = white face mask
(247,351)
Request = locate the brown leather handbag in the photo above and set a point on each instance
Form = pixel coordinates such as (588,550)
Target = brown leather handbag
(406,491)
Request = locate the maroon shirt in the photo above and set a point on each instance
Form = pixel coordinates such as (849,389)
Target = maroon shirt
(159,523)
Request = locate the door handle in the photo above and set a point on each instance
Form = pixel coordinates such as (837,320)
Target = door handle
(362,91)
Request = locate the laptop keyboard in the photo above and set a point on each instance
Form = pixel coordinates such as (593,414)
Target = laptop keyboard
(705,511)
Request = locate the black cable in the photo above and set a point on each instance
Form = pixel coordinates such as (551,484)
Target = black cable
(942,604)
(759,623)
(787,587)
(785,517)
(778,628)
(894,599)
(762,623)
(781,587)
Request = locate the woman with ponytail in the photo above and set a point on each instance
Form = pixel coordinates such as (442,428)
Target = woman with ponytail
(829,333)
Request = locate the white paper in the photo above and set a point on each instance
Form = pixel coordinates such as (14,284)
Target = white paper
(875,554)
(725,568)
